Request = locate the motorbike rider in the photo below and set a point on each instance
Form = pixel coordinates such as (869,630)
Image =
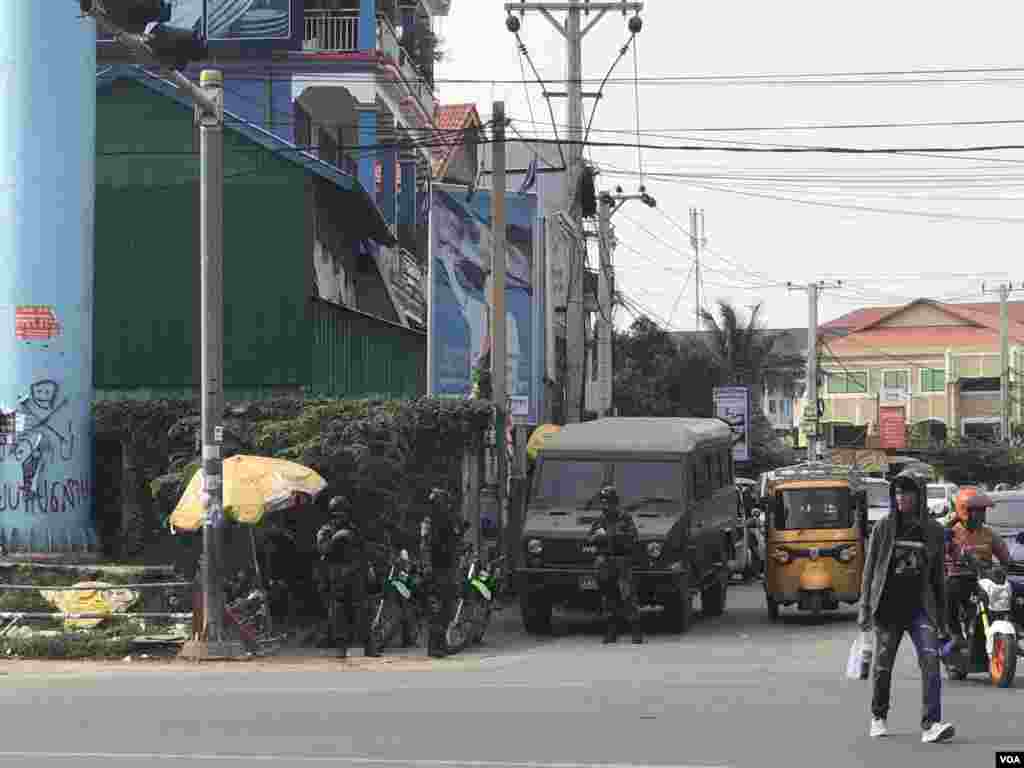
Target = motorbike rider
(440,534)
(616,536)
(904,590)
(343,548)
(967,534)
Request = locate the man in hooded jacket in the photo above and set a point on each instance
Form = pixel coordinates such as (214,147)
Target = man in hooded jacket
(904,591)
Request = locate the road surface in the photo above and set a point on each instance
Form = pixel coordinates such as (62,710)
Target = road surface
(735,691)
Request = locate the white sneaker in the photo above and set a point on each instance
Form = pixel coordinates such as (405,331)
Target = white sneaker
(938,732)
(879,728)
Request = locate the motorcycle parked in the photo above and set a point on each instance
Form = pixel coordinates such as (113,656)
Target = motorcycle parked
(396,615)
(991,643)
(476,604)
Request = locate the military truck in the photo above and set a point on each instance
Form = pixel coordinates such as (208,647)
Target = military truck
(674,475)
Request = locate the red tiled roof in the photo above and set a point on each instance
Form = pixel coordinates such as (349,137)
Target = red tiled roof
(888,339)
(449,120)
(859,318)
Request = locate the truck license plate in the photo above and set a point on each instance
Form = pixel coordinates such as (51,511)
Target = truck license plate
(588,582)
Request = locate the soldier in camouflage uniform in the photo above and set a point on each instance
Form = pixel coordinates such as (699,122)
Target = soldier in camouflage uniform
(343,548)
(440,534)
(616,536)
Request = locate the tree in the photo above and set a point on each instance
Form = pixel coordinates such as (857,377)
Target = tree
(745,356)
(655,377)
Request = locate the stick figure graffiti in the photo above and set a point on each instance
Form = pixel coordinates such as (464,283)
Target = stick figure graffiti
(38,440)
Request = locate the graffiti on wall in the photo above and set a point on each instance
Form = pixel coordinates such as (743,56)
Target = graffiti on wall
(38,435)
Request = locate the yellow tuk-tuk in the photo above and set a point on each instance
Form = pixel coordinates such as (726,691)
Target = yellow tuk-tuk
(815,537)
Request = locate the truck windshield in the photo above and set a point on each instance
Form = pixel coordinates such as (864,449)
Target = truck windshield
(936,492)
(1006,512)
(814,508)
(567,483)
(648,487)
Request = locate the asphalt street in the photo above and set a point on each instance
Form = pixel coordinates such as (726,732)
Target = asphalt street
(734,691)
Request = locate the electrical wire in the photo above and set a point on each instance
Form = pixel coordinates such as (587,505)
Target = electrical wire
(636,97)
(554,124)
(600,91)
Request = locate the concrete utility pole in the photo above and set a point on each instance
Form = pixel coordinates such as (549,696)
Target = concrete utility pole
(499,319)
(573,31)
(1004,292)
(609,205)
(697,242)
(47,201)
(813,289)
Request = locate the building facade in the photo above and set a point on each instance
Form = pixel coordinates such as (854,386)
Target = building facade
(919,374)
(351,82)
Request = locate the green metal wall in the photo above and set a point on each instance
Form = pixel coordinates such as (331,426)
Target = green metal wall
(147,254)
(357,355)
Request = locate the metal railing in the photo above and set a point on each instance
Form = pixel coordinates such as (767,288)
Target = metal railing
(332,31)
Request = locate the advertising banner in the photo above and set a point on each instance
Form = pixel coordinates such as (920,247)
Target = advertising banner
(271,21)
(732,404)
(460,262)
(892,427)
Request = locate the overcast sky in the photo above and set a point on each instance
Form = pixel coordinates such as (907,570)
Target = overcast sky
(756,241)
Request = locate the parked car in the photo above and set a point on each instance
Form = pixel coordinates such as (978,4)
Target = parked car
(942,498)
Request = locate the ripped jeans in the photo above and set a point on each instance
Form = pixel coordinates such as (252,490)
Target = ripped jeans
(887,644)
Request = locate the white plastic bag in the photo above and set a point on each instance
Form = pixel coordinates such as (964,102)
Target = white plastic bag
(859,661)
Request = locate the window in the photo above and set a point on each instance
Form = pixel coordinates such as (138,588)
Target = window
(1006,512)
(848,383)
(933,380)
(771,406)
(896,380)
(787,408)
(814,508)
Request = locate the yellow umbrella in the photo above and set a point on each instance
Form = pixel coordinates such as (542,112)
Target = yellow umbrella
(253,486)
(538,438)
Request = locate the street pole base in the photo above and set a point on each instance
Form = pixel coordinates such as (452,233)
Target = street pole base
(202,650)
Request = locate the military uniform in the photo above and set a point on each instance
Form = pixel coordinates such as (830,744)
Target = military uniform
(344,551)
(616,535)
(440,534)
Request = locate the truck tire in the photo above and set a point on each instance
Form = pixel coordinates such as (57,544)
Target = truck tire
(712,597)
(536,611)
(679,609)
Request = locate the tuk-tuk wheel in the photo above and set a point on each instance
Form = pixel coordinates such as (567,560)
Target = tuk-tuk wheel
(773,609)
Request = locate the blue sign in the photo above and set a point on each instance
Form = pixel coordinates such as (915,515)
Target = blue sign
(461,249)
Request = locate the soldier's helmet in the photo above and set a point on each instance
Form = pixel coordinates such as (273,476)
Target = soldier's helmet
(609,496)
(339,507)
(439,496)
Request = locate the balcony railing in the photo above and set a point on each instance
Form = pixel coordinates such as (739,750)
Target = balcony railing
(338,32)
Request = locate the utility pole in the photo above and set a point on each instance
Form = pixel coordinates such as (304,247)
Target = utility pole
(608,206)
(499,321)
(697,242)
(1004,292)
(172,49)
(573,31)
(813,289)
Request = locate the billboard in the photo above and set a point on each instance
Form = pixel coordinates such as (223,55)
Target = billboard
(732,405)
(274,22)
(458,325)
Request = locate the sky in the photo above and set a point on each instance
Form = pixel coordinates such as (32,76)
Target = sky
(891,228)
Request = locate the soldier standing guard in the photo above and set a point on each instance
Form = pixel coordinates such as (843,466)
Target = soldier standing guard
(616,536)
(440,534)
(343,548)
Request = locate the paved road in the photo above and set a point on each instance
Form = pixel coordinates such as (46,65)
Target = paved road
(735,691)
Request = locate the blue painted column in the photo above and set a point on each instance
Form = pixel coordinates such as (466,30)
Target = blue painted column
(387,202)
(367,151)
(407,198)
(47,199)
(367,25)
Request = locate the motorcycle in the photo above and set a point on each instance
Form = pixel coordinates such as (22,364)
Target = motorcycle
(991,643)
(476,604)
(396,612)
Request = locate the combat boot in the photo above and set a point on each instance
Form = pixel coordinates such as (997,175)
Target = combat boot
(370,650)
(342,652)
(435,645)
(638,636)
